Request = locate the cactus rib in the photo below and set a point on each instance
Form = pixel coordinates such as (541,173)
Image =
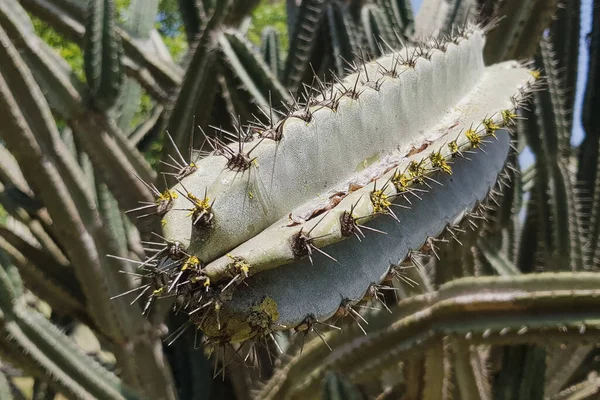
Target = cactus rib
(102,54)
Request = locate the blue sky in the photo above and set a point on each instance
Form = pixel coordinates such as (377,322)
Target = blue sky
(586,22)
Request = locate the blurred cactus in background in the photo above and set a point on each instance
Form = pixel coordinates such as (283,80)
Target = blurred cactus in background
(330,207)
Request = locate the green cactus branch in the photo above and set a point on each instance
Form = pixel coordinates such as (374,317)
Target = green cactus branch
(589,152)
(556,196)
(561,365)
(102,54)
(50,352)
(343,32)
(111,152)
(306,29)
(61,185)
(564,34)
(418,321)
(251,71)
(516,36)
(139,23)
(271,50)
(60,291)
(195,97)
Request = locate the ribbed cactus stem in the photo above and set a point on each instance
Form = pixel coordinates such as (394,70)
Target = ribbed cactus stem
(363,132)
(389,141)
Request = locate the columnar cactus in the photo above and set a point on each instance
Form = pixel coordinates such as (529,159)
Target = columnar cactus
(416,133)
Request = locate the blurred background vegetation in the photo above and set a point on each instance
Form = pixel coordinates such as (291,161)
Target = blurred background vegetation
(170,26)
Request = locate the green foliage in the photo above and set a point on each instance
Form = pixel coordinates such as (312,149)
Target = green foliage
(269,13)
(68,50)
(382,184)
(170,26)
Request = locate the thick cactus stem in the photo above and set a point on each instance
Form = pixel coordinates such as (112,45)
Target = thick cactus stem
(418,136)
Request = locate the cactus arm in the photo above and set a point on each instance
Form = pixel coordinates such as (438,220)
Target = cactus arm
(61,292)
(382,18)
(139,23)
(519,32)
(251,71)
(49,352)
(271,49)
(192,13)
(65,19)
(532,382)
(536,322)
(55,283)
(199,77)
(291,7)
(102,51)
(247,199)
(109,209)
(461,13)
(582,390)
(471,378)
(561,365)
(376,28)
(64,91)
(111,154)
(437,372)
(497,259)
(405,18)
(10,173)
(39,226)
(110,149)
(60,184)
(27,246)
(302,41)
(566,229)
(238,103)
(589,153)
(564,34)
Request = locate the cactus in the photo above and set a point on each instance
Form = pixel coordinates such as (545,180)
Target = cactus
(102,54)
(259,187)
(350,217)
